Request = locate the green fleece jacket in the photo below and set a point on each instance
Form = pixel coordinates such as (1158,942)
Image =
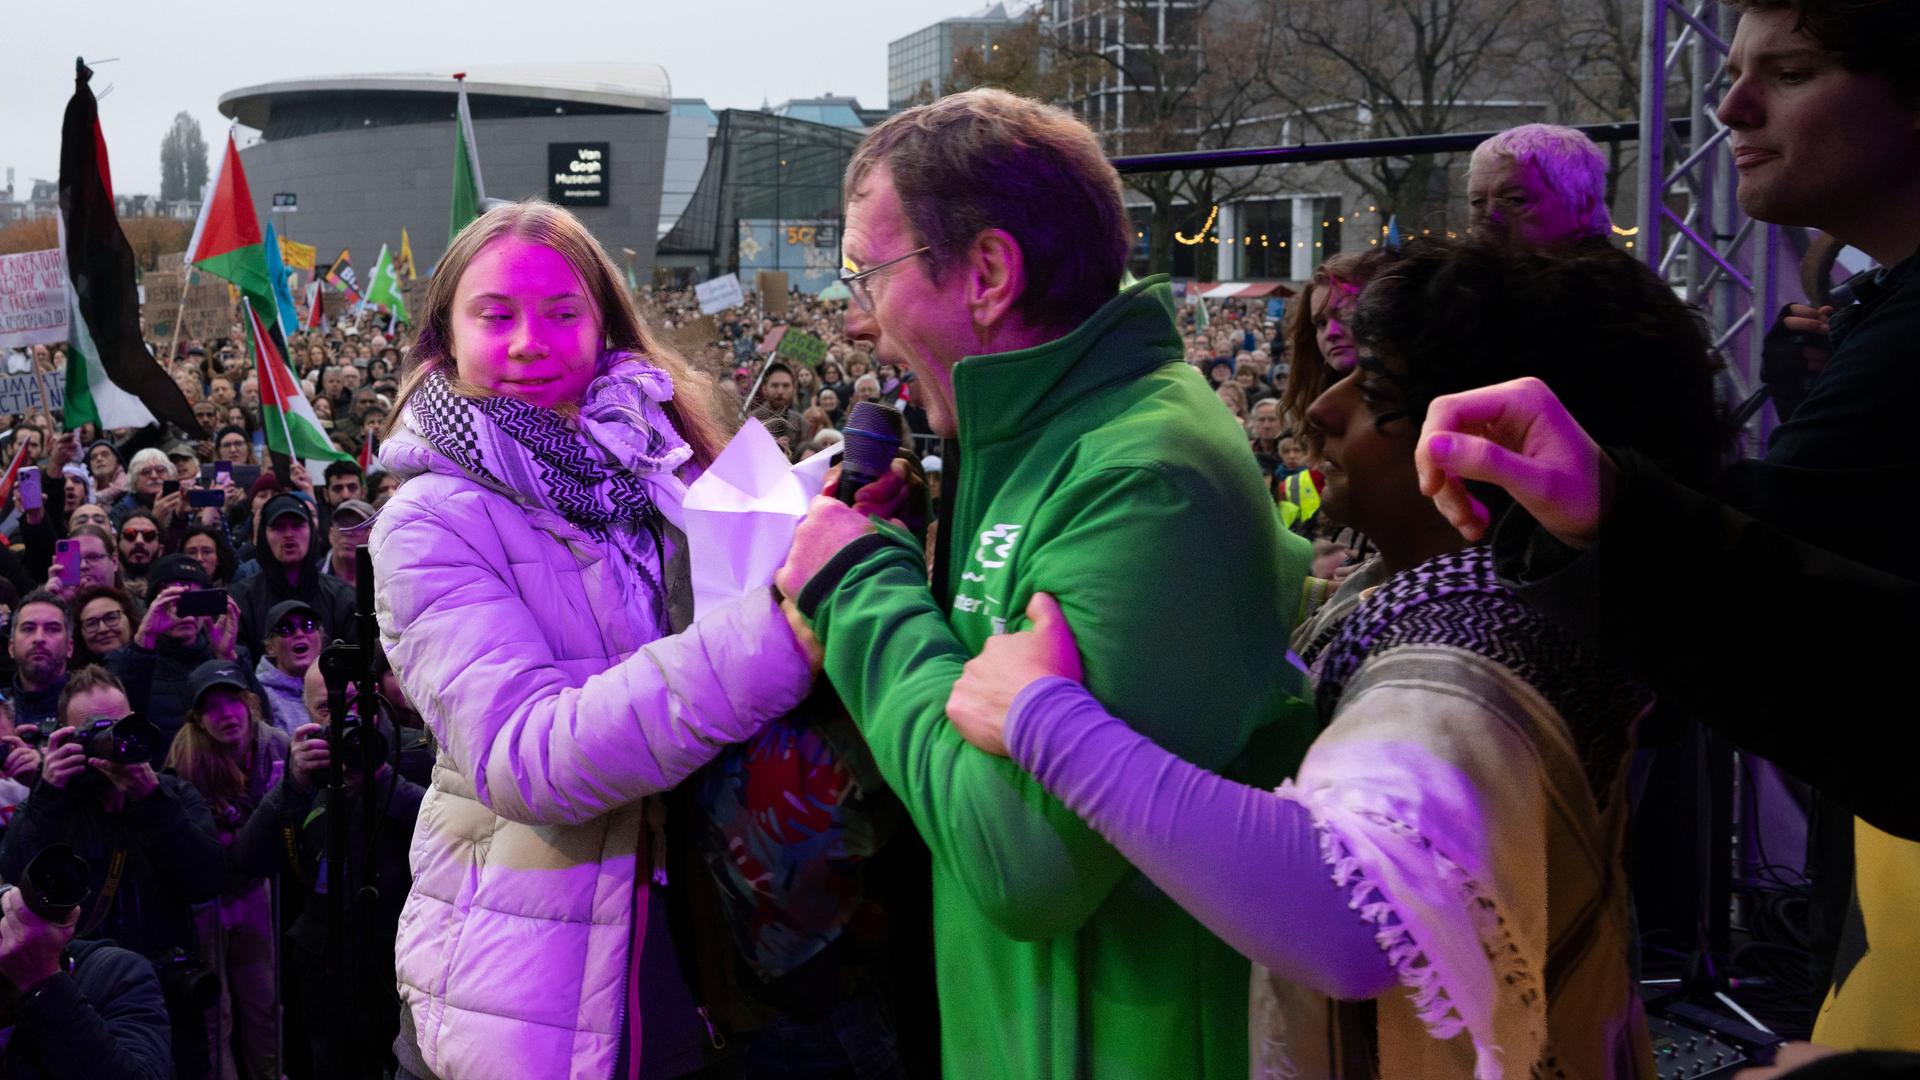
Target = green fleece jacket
(1103,470)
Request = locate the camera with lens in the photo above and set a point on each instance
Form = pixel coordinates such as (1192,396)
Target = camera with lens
(363,744)
(54,884)
(189,988)
(126,741)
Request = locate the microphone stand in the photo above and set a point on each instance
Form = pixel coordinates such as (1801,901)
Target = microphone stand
(341,663)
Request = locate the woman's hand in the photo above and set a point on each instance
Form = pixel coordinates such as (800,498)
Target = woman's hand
(1007,665)
(223,636)
(160,617)
(1518,436)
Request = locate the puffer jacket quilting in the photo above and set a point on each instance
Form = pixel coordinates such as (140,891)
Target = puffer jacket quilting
(537,662)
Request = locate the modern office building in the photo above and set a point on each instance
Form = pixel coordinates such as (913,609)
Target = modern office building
(768,199)
(919,65)
(359,157)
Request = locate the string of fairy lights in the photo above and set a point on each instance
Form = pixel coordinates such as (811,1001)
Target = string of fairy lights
(1213,215)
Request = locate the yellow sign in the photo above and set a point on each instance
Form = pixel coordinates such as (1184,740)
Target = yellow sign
(296,256)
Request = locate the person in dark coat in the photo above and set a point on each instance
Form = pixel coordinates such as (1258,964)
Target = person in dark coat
(77,1010)
(283,546)
(157,665)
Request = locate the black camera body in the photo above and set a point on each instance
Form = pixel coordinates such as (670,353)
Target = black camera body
(363,745)
(126,741)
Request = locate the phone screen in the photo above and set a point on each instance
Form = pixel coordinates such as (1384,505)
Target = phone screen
(209,602)
(66,562)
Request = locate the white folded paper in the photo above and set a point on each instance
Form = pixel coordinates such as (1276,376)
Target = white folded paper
(741,515)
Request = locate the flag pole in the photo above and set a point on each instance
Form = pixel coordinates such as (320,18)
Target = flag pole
(180,316)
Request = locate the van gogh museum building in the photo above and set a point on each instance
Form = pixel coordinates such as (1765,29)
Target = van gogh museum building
(676,190)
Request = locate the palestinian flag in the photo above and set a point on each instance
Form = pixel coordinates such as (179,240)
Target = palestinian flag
(469,190)
(293,430)
(13,472)
(316,307)
(369,456)
(227,241)
(112,379)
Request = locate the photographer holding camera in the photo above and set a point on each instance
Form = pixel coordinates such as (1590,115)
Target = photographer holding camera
(80,1009)
(147,840)
(287,825)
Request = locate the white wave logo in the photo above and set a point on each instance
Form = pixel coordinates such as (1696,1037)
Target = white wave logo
(993,556)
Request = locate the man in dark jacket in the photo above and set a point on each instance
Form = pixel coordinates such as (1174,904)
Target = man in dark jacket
(290,828)
(40,640)
(283,545)
(157,664)
(148,843)
(78,1010)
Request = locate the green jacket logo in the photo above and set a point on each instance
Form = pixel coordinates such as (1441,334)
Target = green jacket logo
(994,549)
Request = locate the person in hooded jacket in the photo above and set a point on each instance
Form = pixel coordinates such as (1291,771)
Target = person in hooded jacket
(283,546)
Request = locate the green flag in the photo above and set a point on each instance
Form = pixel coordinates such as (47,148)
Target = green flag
(469,191)
(383,287)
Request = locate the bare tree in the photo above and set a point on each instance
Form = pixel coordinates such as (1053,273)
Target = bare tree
(1160,76)
(1592,72)
(1342,69)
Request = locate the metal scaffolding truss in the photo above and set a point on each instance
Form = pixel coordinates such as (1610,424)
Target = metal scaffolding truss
(1692,232)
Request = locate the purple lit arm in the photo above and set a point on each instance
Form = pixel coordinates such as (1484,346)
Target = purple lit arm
(1243,861)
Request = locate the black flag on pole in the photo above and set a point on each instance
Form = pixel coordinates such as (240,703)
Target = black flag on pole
(100,264)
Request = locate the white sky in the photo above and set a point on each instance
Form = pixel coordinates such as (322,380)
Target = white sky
(175,56)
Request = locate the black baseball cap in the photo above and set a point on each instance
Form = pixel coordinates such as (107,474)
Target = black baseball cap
(215,673)
(177,569)
(281,505)
(287,607)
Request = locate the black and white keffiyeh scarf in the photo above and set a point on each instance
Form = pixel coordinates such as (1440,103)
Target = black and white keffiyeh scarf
(593,469)
(1457,599)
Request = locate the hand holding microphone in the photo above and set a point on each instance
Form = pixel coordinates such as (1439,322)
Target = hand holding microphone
(872,478)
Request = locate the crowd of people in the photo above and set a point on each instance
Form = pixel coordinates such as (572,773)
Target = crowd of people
(1002,788)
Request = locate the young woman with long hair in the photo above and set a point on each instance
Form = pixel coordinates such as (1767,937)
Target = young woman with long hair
(233,758)
(535,601)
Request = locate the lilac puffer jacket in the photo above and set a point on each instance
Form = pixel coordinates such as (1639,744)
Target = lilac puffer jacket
(535,659)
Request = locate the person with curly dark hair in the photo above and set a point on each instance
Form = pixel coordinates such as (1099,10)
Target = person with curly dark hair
(1472,752)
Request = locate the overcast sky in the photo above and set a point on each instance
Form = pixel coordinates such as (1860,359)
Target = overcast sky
(175,56)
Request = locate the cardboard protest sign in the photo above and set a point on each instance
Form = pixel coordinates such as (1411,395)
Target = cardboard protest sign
(772,287)
(798,345)
(33,298)
(719,294)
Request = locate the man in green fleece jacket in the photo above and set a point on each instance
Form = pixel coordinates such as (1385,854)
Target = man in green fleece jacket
(986,240)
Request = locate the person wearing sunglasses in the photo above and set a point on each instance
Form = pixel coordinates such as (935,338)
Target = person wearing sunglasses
(293,643)
(139,547)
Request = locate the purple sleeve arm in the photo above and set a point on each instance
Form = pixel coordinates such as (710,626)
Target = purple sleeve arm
(1243,861)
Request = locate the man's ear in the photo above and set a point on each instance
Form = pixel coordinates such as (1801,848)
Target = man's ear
(997,276)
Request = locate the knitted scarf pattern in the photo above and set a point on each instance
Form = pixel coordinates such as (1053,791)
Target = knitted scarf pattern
(590,469)
(1456,599)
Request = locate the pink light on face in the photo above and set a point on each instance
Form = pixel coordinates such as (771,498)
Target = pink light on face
(524,324)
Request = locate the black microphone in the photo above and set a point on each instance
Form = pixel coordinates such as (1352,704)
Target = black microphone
(871,439)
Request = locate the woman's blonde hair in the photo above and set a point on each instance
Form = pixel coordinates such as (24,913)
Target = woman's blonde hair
(543,223)
(213,767)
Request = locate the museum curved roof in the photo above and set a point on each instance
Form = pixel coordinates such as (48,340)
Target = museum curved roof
(603,85)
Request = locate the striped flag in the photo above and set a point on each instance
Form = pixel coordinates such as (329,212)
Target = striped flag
(293,430)
(112,378)
(13,472)
(469,190)
(369,455)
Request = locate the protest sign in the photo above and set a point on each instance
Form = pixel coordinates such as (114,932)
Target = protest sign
(33,298)
(719,294)
(772,286)
(208,313)
(695,336)
(803,347)
(21,393)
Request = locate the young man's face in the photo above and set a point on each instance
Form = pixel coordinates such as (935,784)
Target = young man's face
(1814,143)
(778,389)
(342,488)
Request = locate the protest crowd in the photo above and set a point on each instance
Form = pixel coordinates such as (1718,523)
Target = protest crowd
(1206,687)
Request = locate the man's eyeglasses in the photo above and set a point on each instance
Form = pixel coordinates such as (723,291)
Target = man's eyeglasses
(856,279)
(289,627)
(104,621)
(157,470)
(144,535)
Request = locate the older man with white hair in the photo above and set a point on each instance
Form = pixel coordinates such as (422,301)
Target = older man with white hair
(1542,185)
